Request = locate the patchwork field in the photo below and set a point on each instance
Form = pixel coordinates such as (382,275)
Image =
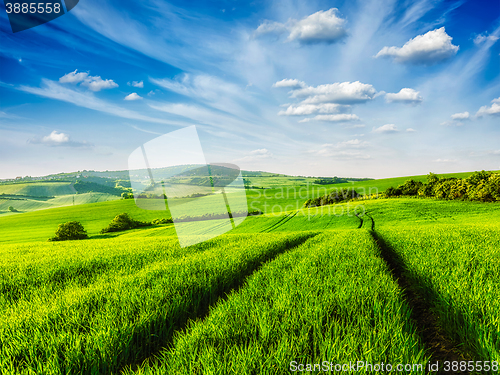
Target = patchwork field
(402,281)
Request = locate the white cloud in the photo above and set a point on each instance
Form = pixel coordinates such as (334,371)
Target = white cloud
(410,130)
(341,93)
(493,110)
(322,26)
(354,143)
(480,39)
(405,95)
(387,128)
(308,109)
(260,151)
(73,77)
(97,83)
(338,151)
(58,139)
(268,27)
(445,160)
(429,48)
(254,155)
(133,96)
(94,83)
(460,116)
(53,90)
(292,83)
(139,84)
(333,118)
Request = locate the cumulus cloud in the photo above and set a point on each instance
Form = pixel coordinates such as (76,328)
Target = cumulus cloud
(58,139)
(320,27)
(481,38)
(410,130)
(94,83)
(429,48)
(139,84)
(98,84)
(387,128)
(73,77)
(460,116)
(492,110)
(405,95)
(333,118)
(309,109)
(340,93)
(291,83)
(133,96)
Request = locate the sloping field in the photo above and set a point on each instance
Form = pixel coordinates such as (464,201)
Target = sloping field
(40,189)
(32,204)
(96,305)
(330,301)
(305,286)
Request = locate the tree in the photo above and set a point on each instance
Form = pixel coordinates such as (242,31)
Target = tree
(12,209)
(410,187)
(123,222)
(72,230)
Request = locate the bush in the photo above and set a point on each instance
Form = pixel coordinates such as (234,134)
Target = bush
(392,192)
(162,221)
(124,222)
(72,230)
(410,187)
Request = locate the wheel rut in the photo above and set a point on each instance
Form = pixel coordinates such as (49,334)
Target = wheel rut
(435,339)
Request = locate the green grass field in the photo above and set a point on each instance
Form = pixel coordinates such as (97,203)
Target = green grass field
(407,281)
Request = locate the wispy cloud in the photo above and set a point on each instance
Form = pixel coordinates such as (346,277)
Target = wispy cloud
(53,90)
(387,128)
(139,84)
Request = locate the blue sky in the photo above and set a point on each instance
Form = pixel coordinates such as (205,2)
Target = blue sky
(348,88)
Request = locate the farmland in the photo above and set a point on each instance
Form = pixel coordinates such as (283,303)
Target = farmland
(408,280)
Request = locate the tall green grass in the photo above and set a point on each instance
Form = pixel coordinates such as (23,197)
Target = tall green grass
(96,305)
(457,269)
(331,299)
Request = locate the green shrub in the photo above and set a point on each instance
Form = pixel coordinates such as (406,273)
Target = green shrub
(124,222)
(162,221)
(72,230)
(410,187)
(12,209)
(392,192)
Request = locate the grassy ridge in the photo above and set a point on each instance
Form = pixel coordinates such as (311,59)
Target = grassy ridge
(330,299)
(93,306)
(38,188)
(459,272)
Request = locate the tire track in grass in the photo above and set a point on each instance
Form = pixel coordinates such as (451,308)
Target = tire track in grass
(360,220)
(279,223)
(439,344)
(199,308)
